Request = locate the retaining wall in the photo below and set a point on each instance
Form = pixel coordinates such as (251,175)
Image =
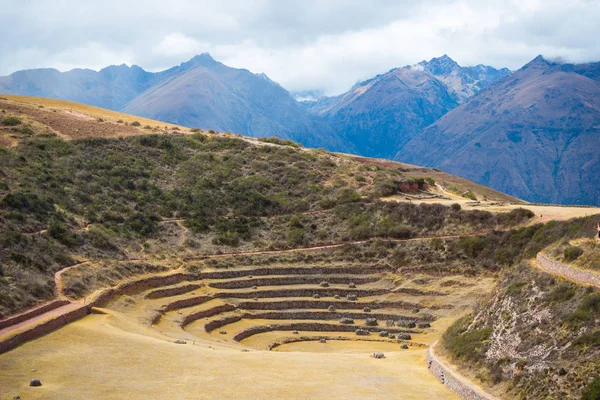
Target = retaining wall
(185,303)
(138,285)
(43,328)
(206,313)
(402,320)
(172,291)
(308,292)
(575,274)
(239,273)
(311,327)
(17,319)
(324,304)
(292,280)
(449,379)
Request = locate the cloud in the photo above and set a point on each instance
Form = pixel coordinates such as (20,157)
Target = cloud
(177,44)
(314,44)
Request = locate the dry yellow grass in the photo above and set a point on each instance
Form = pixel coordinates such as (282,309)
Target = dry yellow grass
(82,110)
(117,355)
(543,213)
(95,358)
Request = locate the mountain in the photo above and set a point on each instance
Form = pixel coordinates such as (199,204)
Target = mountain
(199,93)
(111,87)
(464,82)
(380,115)
(211,95)
(534,135)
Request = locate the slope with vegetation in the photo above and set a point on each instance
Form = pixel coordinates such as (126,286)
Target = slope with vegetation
(264,238)
(113,197)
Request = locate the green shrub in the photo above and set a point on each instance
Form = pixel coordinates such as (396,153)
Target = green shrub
(572,253)
(562,293)
(61,233)
(592,391)
(470,195)
(515,288)
(578,317)
(10,121)
(467,345)
(276,140)
(588,339)
(472,245)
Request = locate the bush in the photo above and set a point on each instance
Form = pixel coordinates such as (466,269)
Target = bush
(472,245)
(371,321)
(10,121)
(467,345)
(562,293)
(135,123)
(572,253)
(61,233)
(346,320)
(592,391)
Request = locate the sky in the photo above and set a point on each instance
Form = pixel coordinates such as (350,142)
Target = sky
(324,45)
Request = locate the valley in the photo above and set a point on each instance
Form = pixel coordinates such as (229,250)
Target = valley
(171,259)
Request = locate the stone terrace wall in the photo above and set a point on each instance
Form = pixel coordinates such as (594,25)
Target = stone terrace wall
(172,291)
(575,274)
(324,304)
(292,280)
(239,273)
(138,285)
(310,327)
(43,328)
(16,319)
(449,379)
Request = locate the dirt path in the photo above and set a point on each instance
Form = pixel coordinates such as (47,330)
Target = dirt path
(58,284)
(335,245)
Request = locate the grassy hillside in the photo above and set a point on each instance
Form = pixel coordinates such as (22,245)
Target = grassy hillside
(140,194)
(537,336)
(79,187)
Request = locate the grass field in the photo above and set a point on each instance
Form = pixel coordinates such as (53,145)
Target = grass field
(95,358)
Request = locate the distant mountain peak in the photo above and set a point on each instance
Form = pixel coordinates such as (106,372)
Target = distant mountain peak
(538,62)
(440,66)
(203,59)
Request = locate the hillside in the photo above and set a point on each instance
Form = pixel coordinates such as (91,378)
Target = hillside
(77,186)
(533,135)
(380,115)
(187,245)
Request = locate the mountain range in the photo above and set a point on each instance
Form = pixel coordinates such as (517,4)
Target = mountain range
(534,134)
(531,133)
(200,93)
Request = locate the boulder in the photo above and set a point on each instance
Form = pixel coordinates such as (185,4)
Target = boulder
(35,382)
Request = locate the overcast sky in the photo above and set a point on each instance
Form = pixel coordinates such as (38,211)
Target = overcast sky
(303,45)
